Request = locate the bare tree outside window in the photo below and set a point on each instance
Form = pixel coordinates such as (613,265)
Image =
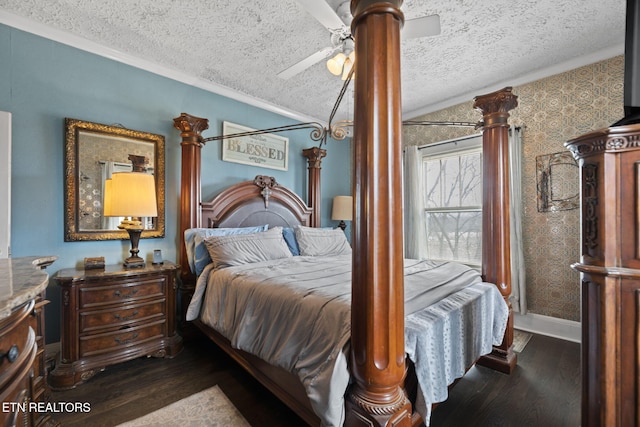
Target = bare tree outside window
(453,211)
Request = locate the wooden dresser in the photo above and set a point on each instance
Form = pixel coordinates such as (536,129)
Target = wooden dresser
(112,315)
(610,271)
(24,392)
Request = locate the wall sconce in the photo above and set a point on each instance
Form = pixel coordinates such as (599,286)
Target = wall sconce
(342,210)
(133,195)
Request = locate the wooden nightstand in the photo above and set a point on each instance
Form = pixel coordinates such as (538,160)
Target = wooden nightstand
(113,315)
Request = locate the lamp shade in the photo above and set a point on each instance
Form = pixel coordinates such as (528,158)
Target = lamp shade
(106,202)
(131,194)
(348,65)
(342,208)
(335,64)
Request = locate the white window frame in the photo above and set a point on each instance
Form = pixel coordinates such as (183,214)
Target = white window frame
(449,148)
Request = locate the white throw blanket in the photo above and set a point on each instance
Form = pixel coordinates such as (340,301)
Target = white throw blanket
(295,313)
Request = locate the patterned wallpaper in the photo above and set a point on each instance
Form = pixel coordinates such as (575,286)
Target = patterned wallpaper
(551,111)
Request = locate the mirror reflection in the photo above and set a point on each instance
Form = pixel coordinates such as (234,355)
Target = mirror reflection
(94,152)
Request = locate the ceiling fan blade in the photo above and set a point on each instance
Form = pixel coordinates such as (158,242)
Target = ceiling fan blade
(321,10)
(421,27)
(306,63)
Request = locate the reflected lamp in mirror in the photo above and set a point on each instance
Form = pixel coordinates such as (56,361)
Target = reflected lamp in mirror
(131,195)
(342,210)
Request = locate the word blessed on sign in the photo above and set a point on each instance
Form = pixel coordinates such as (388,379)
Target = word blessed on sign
(265,150)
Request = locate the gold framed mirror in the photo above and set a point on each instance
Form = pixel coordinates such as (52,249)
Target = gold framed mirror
(93,152)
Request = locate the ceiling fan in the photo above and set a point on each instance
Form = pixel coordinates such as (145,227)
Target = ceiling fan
(337,23)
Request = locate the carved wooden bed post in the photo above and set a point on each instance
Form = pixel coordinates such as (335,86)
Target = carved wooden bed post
(377,397)
(314,156)
(496,254)
(191,128)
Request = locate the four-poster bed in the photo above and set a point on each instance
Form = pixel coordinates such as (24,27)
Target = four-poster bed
(376,360)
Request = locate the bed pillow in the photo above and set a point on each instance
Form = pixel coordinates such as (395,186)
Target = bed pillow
(197,253)
(322,241)
(289,235)
(238,249)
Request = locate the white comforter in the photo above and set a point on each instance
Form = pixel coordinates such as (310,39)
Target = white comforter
(295,313)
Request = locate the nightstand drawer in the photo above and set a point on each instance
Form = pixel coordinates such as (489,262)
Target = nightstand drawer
(18,390)
(92,345)
(94,296)
(95,320)
(17,338)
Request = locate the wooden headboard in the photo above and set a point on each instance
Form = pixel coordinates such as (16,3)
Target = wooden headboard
(257,202)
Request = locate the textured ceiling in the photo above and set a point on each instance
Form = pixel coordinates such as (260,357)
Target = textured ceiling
(243,45)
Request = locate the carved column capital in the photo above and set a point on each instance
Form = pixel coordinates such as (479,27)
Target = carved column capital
(314,156)
(191,128)
(139,162)
(495,106)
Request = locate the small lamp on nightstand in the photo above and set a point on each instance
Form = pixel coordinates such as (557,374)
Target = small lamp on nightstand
(342,210)
(133,195)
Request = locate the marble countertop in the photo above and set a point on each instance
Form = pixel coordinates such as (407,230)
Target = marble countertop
(22,279)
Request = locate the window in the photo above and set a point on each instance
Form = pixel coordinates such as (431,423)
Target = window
(452,173)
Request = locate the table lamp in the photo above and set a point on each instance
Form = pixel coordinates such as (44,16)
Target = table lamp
(131,195)
(342,210)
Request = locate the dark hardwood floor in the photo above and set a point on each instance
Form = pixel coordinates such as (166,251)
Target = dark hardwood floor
(544,390)
(129,390)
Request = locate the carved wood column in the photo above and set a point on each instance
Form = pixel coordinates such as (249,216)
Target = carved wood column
(496,246)
(377,397)
(191,128)
(609,269)
(314,157)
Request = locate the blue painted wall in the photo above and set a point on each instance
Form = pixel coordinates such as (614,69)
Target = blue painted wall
(42,82)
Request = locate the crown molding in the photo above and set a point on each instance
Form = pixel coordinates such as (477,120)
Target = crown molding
(559,68)
(69,39)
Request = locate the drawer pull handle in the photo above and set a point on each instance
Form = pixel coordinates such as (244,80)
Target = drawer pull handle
(131,316)
(11,355)
(120,294)
(126,341)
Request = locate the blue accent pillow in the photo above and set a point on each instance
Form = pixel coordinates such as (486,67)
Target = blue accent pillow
(289,235)
(197,253)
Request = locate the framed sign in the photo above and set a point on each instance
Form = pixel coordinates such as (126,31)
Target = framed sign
(265,150)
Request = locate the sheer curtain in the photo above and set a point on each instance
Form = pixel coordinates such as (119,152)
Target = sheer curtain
(414,219)
(518,296)
(414,224)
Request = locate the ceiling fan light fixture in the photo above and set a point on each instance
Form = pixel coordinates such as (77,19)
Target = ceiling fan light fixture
(348,65)
(336,63)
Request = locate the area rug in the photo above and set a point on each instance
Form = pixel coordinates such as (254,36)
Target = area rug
(520,340)
(209,408)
